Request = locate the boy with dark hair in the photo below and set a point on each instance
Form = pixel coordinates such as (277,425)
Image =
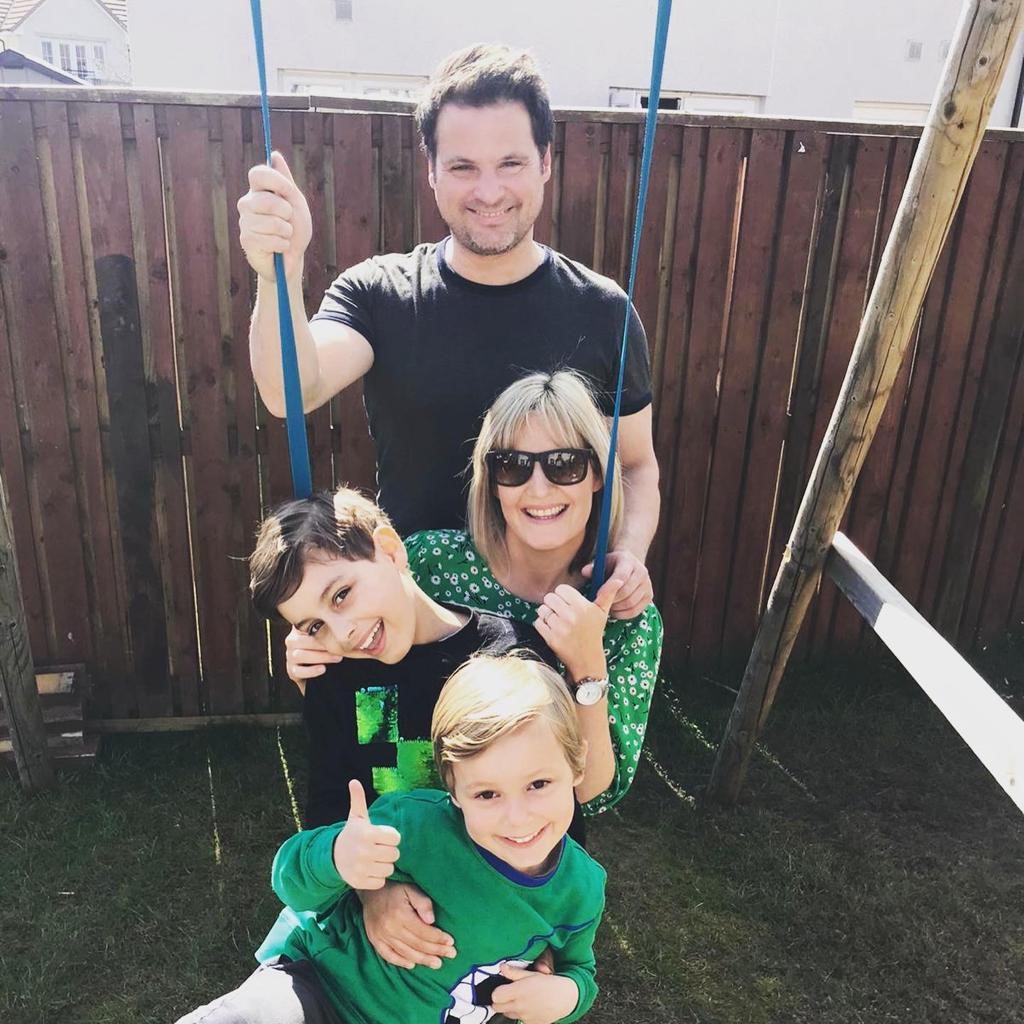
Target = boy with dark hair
(334,568)
(492,852)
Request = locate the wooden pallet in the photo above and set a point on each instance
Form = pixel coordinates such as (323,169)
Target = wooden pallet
(62,690)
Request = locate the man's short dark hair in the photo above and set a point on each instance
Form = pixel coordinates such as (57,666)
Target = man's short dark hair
(479,76)
(338,525)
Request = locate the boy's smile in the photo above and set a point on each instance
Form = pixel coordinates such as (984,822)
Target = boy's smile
(517,796)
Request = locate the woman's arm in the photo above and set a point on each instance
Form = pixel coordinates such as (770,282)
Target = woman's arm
(573,628)
(634,652)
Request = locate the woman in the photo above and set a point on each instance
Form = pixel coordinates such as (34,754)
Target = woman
(539,466)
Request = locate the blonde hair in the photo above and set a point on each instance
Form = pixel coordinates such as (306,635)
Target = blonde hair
(565,403)
(492,695)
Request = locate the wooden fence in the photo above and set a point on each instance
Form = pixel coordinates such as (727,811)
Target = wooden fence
(138,458)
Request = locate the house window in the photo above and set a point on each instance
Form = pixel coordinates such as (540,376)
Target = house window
(664,102)
(85,60)
(343,10)
(694,102)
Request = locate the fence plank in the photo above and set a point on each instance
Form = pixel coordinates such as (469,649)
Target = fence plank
(60,204)
(944,372)
(652,288)
(355,208)
(131,459)
(581,166)
(171,510)
(703,360)
(396,208)
(202,360)
(36,358)
(737,384)
(12,460)
(992,578)
(310,159)
(669,398)
(620,199)
(979,341)
(750,553)
(973,485)
(824,251)
(850,294)
(236,293)
(870,496)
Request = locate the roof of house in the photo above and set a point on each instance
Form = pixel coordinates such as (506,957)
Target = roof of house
(14,12)
(16,59)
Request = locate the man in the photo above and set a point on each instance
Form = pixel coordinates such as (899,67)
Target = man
(439,332)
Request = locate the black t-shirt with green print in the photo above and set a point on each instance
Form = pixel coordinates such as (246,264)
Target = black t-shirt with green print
(370,721)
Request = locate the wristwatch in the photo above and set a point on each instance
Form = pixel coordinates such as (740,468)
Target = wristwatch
(590,689)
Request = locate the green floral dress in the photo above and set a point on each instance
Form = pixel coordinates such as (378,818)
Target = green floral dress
(448,567)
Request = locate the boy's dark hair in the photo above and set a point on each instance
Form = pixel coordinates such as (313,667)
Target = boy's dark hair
(478,76)
(340,525)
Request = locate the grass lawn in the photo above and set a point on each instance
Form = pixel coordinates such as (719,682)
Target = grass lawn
(873,872)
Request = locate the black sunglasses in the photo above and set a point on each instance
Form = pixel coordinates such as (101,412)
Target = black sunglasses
(562,466)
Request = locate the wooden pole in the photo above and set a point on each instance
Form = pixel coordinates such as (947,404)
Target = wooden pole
(974,69)
(18,695)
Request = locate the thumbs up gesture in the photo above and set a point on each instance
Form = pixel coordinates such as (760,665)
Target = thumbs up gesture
(364,853)
(573,627)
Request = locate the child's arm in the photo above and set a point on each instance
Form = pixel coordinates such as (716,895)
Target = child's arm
(313,868)
(564,996)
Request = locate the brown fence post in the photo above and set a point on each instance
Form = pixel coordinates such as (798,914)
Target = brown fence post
(953,132)
(18,695)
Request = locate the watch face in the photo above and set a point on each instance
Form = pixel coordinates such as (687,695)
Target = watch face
(591,691)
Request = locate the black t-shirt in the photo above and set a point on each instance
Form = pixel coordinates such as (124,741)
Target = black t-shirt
(445,348)
(370,721)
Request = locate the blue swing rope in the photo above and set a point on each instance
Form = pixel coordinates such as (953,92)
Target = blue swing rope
(298,451)
(657,66)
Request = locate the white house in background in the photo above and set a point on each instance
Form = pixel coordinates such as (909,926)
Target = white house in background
(85,40)
(863,59)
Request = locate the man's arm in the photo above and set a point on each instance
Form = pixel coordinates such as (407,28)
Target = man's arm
(273,217)
(640,477)
(331,355)
(640,518)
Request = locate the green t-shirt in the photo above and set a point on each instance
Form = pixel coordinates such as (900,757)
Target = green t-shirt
(495,914)
(448,567)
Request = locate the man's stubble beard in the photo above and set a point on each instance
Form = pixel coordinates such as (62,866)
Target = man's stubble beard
(466,240)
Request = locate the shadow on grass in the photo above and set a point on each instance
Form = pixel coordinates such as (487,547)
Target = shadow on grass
(872,872)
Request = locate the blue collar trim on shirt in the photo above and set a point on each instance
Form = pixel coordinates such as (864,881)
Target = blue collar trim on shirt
(509,872)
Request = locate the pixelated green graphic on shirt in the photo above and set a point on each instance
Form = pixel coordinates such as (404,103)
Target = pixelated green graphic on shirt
(377,722)
(377,714)
(415,769)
